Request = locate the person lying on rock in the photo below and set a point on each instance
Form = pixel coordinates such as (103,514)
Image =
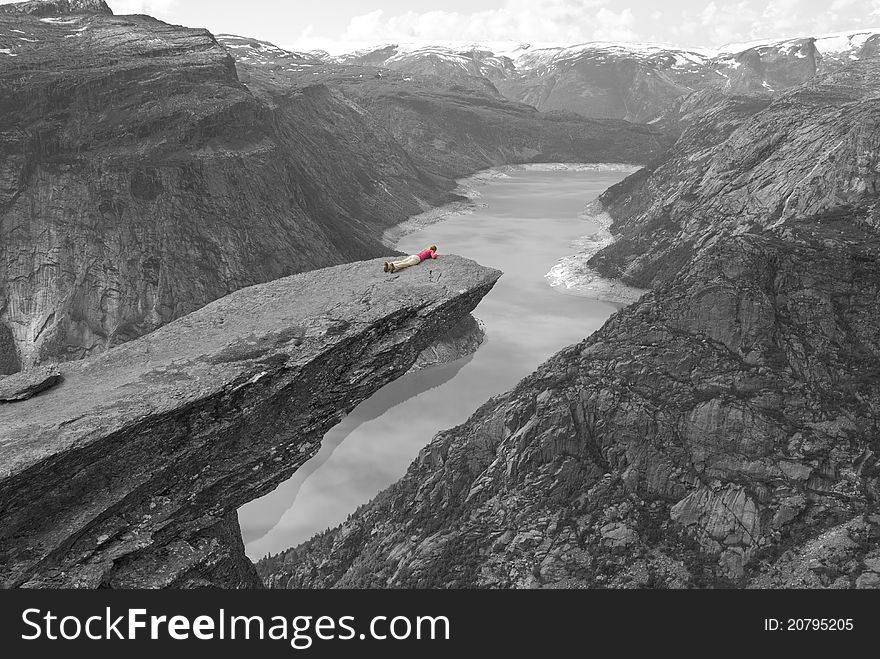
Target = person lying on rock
(415,259)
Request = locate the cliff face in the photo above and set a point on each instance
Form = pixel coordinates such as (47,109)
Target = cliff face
(775,67)
(141,179)
(745,163)
(720,431)
(129,472)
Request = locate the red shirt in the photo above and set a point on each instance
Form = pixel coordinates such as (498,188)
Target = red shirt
(426,254)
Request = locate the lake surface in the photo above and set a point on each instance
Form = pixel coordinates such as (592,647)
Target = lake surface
(526,221)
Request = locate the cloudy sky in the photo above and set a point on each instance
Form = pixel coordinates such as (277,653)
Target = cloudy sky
(310,24)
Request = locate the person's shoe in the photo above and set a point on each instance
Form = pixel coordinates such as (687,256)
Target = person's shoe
(386,266)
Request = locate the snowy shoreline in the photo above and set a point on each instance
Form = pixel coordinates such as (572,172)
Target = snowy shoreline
(571,275)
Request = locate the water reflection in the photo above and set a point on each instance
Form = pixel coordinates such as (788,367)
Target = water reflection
(264,514)
(529,221)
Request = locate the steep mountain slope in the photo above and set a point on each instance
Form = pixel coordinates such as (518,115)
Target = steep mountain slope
(140,178)
(723,430)
(450,128)
(745,162)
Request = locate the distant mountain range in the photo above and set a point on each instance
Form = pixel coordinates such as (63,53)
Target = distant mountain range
(619,80)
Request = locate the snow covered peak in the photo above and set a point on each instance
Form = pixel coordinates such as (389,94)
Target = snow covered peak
(254,51)
(522,55)
(533,55)
(835,43)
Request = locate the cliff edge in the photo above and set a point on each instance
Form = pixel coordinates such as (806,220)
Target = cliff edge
(129,470)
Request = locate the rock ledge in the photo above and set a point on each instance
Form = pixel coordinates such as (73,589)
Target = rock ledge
(130,472)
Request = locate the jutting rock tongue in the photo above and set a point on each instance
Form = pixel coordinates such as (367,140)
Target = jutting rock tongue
(57,7)
(129,472)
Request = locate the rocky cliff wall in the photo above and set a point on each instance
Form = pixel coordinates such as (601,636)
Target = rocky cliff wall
(129,472)
(745,163)
(141,179)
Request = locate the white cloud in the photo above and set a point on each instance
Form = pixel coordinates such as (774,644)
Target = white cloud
(156,8)
(722,21)
(568,21)
(692,23)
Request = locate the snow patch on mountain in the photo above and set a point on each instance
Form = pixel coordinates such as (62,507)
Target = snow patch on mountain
(263,53)
(526,56)
(832,43)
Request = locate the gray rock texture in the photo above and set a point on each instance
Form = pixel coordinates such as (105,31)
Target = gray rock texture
(130,472)
(144,172)
(747,163)
(141,180)
(29,383)
(721,431)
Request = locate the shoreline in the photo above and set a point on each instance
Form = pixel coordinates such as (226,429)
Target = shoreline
(570,275)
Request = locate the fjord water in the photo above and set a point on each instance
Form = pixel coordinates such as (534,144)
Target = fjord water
(525,222)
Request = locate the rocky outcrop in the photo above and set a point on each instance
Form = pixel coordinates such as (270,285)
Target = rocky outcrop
(129,472)
(141,177)
(772,67)
(29,383)
(720,431)
(745,163)
(844,556)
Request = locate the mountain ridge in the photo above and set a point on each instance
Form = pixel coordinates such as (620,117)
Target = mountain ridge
(57,7)
(637,82)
